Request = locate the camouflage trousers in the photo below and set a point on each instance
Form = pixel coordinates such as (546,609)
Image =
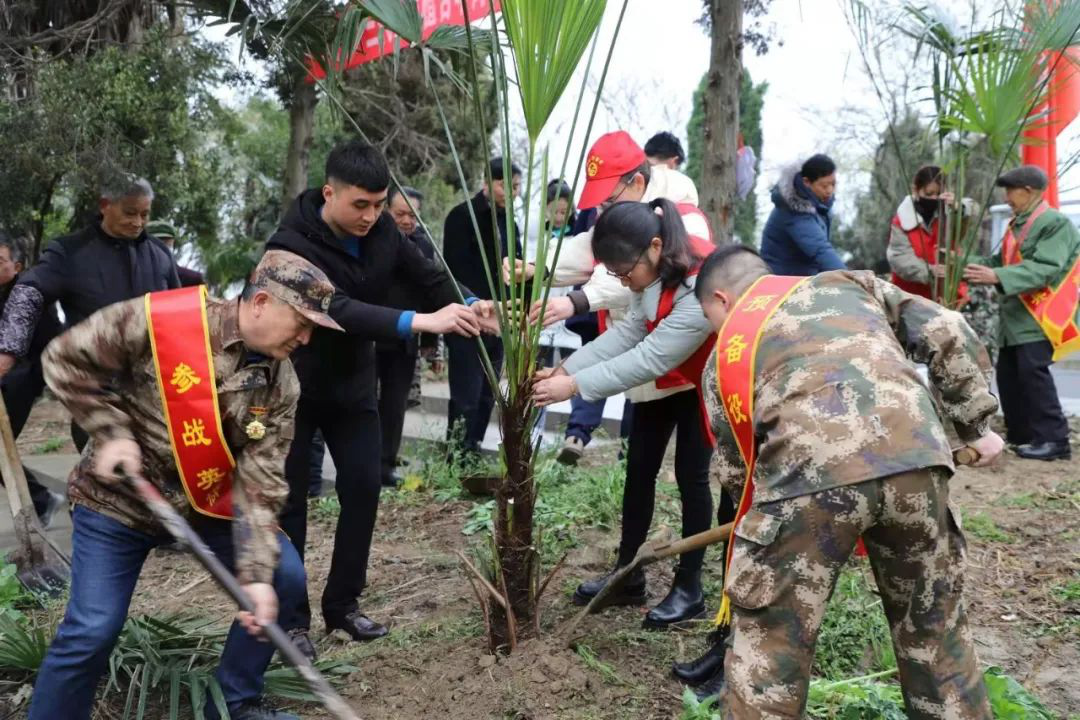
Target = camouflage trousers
(787,557)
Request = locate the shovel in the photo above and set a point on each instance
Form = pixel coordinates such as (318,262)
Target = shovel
(651,553)
(182,532)
(40,566)
(648,554)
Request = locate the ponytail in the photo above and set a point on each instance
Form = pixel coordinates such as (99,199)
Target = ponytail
(626,229)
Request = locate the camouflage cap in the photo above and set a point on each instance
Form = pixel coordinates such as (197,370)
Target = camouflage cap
(293,280)
(1031,176)
(161,229)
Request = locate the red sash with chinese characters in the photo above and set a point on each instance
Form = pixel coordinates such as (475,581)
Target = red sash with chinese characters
(1054,309)
(736,350)
(184,365)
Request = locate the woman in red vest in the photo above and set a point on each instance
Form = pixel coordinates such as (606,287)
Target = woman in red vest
(663,339)
(913,238)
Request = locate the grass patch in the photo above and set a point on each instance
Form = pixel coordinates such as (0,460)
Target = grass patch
(326,507)
(51,445)
(1067,593)
(981,526)
(854,637)
(599,666)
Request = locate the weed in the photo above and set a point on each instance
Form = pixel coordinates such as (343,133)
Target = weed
(981,526)
(1067,593)
(694,709)
(51,445)
(326,507)
(854,635)
(596,664)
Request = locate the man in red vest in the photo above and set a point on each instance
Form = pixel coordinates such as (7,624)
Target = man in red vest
(198,396)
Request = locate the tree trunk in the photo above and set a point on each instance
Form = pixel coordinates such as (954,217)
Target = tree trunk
(301,131)
(721,103)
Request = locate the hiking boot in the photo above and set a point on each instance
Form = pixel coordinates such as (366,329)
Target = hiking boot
(257,710)
(302,640)
(572,450)
(357,626)
(632,591)
(702,669)
(685,601)
(711,688)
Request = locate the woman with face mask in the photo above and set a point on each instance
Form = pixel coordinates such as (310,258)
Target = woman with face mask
(913,238)
(664,339)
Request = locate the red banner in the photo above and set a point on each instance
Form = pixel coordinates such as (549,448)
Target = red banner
(736,351)
(433,13)
(184,365)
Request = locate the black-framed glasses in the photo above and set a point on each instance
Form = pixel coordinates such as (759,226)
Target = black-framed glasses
(626,275)
(612,200)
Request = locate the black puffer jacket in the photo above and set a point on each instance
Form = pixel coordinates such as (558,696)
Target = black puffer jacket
(340,366)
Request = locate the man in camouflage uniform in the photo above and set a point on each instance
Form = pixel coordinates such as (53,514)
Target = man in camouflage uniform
(848,445)
(103,370)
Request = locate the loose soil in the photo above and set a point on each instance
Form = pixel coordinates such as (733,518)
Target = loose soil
(1023,527)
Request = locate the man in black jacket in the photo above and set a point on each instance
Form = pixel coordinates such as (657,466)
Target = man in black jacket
(471,397)
(111,260)
(22,386)
(396,360)
(343,229)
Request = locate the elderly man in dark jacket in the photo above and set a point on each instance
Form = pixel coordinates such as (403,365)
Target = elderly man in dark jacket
(22,386)
(471,397)
(342,228)
(795,240)
(110,260)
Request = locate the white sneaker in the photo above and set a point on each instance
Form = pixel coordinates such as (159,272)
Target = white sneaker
(572,450)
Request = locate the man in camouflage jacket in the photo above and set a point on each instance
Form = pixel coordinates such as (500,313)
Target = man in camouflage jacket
(848,444)
(103,370)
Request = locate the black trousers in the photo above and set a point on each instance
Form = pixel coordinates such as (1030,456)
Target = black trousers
(352,438)
(395,368)
(22,386)
(471,397)
(652,427)
(1028,394)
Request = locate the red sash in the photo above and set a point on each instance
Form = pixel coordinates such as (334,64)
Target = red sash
(736,351)
(1054,309)
(184,365)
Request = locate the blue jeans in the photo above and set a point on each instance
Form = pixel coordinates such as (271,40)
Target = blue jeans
(106,559)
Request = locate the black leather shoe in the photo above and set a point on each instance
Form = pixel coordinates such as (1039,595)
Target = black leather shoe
(358,626)
(631,593)
(702,669)
(685,601)
(1044,451)
(302,640)
(711,688)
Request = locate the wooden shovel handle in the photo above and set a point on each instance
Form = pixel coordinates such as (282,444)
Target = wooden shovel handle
(694,542)
(11,469)
(966,455)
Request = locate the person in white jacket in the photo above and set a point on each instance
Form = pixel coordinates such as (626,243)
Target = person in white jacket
(663,341)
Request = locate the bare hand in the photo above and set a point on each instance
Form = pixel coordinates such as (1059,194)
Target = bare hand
(455,318)
(522,271)
(265,601)
(947,197)
(486,316)
(980,275)
(6,363)
(120,452)
(989,447)
(558,308)
(555,388)
(938,271)
(545,373)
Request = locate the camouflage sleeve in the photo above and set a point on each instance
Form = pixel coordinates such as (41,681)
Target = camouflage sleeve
(80,367)
(259,486)
(902,258)
(726,467)
(958,363)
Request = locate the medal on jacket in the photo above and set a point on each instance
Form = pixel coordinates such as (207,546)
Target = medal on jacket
(1054,309)
(184,366)
(736,351)
(255,430)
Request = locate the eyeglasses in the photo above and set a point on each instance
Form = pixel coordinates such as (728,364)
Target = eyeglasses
(626,275)
(612,200)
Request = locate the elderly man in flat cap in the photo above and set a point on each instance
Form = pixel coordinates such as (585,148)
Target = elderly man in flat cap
(1036,274)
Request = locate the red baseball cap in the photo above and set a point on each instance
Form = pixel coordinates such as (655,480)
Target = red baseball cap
(610,157)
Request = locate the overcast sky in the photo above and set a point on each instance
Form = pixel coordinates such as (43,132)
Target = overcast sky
(812,68)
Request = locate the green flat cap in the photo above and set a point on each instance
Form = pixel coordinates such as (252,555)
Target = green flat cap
(161,229)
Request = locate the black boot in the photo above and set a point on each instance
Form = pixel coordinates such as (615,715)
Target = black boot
(631,593)
(702,669)
(1045,451)
(711,688)
(685,601)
